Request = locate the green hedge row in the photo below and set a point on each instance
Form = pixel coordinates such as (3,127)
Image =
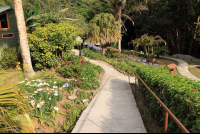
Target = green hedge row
(181,95)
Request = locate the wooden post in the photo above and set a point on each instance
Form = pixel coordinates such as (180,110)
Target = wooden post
(166,121)
(135,86)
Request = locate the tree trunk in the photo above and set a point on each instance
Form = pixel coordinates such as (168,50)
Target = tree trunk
(120,27)
(194,33)
(23,38)
(136,31)
(103,49)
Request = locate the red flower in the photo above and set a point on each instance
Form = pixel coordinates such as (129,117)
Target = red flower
(176,105)
(187,105)
(82,62)
(194,90)
(65,62)
(69,63)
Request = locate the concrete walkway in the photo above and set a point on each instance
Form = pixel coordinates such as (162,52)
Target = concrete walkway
(183,68)
(113,109)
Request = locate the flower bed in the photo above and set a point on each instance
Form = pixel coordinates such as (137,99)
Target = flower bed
(57,103)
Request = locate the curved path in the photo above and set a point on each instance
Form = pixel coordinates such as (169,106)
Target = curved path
(183,68)
(113,109)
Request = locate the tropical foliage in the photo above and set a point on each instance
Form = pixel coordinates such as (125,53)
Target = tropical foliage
(148,43)
(103,29)
(48,44)
(14,108)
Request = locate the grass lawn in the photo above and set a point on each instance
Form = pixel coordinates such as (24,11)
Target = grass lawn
(195,71)
(5,75)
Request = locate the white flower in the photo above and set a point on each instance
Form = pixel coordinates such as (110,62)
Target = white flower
(49,98)
(85,100)
(25,79)
(47,89)
(55,82)
(39,105)
(56,108)
(21,82)
(28,83)
(56,94)
(32,103)
(40,89)
(55,86)
(18,89)
(36,92)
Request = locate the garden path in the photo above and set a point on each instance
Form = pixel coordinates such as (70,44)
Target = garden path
(113,109)
(183,68)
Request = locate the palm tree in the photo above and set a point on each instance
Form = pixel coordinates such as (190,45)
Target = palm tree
(148,43)
(117,7)
(104,30)
(13,111)
(23,37)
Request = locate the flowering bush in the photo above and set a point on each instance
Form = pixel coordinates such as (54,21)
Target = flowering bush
(112,52)
(47,44)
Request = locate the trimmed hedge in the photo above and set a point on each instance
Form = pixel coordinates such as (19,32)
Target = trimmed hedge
(181,95)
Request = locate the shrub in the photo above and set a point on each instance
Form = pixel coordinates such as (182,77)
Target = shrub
(8,58)
(112,52)
(128,52)
(180,95)
(71,66)
(93,55)
(47,44)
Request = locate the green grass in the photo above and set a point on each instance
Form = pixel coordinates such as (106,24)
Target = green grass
(195,71)
(8,74)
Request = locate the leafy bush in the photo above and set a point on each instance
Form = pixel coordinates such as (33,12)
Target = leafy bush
(128,52)
(47,44)
(180,95)
(112,52)
(8,58)
(93,55)
(71,66)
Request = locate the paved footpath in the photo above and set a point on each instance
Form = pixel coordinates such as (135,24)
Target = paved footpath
(183,68)
(113,109)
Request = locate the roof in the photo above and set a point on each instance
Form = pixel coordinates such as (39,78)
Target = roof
(171,66)
(3,9)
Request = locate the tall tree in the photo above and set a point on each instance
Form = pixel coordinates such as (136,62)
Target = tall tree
(117,7)
(23,38)
(104,30)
